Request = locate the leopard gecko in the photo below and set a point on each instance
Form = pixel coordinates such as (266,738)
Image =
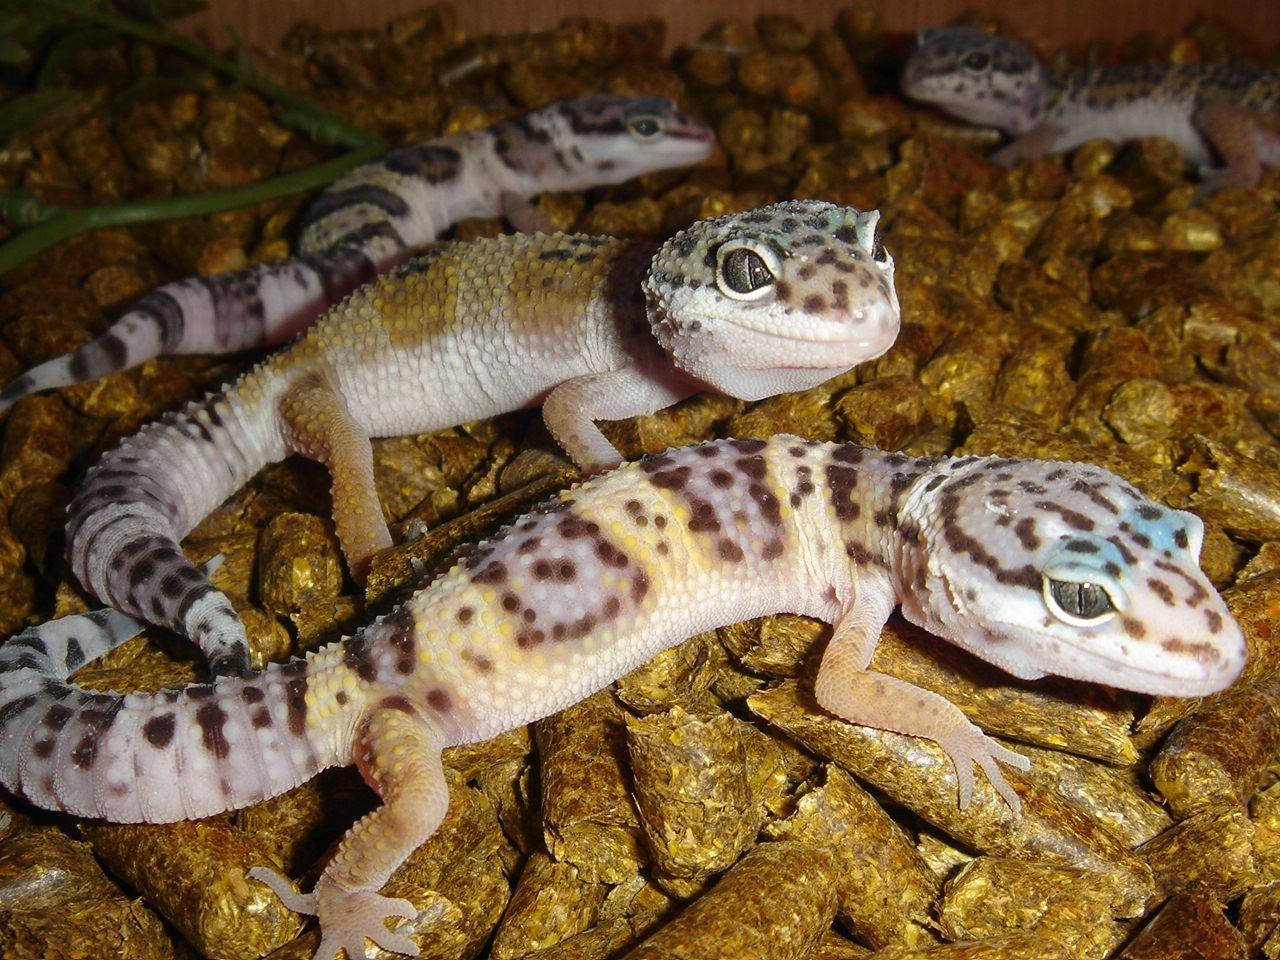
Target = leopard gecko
(1231,111)
(1039,567)
(377,215)
(751,304)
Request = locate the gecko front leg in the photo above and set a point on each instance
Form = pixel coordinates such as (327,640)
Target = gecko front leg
(845,687)
(398,754)
(571,407)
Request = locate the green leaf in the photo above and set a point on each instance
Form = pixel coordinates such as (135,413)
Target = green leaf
(19,209)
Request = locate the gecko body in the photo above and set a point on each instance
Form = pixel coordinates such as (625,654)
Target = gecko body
(1224,112)
(751,304)
(377,215)
(1038,567)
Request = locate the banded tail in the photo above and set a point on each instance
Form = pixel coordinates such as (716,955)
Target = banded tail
(151,758)
(143,497)
(261,306)
(378,215)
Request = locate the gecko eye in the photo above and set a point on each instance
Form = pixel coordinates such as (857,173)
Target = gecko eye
(742,273)
(1079,603)
(975,61)
(644,127)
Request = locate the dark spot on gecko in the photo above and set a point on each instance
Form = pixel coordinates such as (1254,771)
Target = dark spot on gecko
(43,748)
(1072,518)
(671,479)
(211,718)
(341,698)
(1026,531)
(295,698)
(439,700)
(261,718)
(721,478)
(1148,512)
(639,587)
(1125,553)
(357,655)
(16,707)
(702,518)
(772,550)
(748,446)
(479,661)
(1215,620)
(729,551)
(1180,538)
(1133,627)
(510,602)
(465,614)
(531,638)
(251,694)
(56,717)
(1161,590)
(1082,546)
(495,572)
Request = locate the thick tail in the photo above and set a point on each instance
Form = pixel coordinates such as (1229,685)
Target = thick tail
(152,758)
(258,307)
(141,499)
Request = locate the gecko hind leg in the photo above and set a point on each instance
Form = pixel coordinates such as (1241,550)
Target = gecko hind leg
(1232,130)
(399,756)
(320,427)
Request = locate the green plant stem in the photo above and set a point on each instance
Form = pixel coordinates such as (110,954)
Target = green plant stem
(326,125)
(68,223)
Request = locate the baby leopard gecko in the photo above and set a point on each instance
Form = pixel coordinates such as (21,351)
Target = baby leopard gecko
(1231,110)
(592,328)
(1039,567)
(377,215)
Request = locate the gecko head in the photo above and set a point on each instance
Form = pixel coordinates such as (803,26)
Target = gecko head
(775,299)
(611,137)
(1045,567)
(976,76)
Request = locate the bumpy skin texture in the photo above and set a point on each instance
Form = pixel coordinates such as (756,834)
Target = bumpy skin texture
(377,215)
(1231,111)
(1039,567)
(589,327)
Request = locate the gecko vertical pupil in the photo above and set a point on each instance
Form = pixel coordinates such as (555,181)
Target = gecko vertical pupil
(1085,600)
(644,127)
(744,270)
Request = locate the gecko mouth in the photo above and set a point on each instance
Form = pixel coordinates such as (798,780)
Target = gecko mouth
(1130,676)
(790,337)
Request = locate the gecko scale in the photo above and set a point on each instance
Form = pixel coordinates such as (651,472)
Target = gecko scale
(377,215)
(751,304)
(1228,110)
(1038,567)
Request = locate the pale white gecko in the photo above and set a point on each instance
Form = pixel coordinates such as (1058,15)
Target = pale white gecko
(378,215)
(1038,567)
(592,328)
(1224,111)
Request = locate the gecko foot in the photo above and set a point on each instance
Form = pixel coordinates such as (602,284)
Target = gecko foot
(970,745)
(346,917)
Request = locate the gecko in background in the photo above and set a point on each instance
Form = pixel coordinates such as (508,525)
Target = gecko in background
(590,328)
(1038,567)
(378,215)
(1222,111)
